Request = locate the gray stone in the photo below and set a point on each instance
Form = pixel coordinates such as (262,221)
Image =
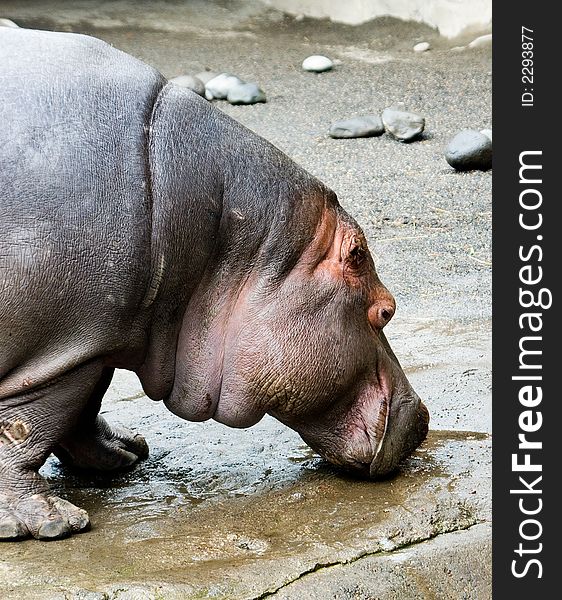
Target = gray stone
(401,124)
(317,63)
(191,83)
(365,126)
(245,93)
(421,47)
(220,85)
(8,23)
(469,150)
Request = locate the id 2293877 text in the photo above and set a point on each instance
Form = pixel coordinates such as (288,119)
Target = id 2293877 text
(527,67)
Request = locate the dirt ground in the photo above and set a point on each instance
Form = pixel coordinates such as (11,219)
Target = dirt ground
(219,513)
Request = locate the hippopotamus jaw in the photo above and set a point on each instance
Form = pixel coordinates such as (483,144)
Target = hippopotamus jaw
(368,420)
(370,432)
(407,420)
(349,432)
(362,438)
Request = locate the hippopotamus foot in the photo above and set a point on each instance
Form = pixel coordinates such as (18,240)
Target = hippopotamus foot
(33,422)
(40,515)
(102,447)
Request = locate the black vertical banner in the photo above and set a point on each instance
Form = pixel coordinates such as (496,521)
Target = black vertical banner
(527,266)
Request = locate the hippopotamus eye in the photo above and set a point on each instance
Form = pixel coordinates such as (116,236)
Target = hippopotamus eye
(357,252)
(356,260)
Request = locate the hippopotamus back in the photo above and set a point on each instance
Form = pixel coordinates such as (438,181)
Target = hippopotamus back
(75,187)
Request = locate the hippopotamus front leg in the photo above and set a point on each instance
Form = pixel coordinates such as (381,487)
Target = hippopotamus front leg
(32,425)
(94,444)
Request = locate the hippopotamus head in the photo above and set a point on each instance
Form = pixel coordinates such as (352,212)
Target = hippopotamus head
(300,337)
(311,347)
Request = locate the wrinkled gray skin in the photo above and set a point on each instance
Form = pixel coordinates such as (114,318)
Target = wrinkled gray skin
(143,229)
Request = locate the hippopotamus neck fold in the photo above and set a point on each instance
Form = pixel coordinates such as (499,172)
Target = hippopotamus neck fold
(219,220)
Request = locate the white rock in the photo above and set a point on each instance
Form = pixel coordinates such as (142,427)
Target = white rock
(482,41)
(8,23)
(457,48)
(220,85)
(421,47)
(317,63)
(487,133)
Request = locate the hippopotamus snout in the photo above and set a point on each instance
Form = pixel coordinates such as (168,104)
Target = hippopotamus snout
(374,429)
(407,423)
(407,428)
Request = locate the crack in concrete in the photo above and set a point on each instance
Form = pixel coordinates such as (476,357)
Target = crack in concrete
(320,566)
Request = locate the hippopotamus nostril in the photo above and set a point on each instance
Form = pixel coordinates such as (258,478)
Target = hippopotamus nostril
(381,313)
(386,314)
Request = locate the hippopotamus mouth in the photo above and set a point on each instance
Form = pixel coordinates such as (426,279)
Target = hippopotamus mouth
(389,454)
(381,423)
(374,446)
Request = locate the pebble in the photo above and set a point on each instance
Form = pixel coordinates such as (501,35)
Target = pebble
(482,41)
(245,93)
(191,83)
(421,47)
(366,126)
(317,64)
(401,124)
(487,133)
(220,85)
(469,150)
(457,48)
(8,23)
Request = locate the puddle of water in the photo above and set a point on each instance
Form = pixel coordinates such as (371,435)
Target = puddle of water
(160,524)
(243,511)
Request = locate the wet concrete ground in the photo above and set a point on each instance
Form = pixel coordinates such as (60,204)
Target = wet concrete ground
(220,513)
(217,514)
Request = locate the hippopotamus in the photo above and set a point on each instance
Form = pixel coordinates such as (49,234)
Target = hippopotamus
(142,228)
